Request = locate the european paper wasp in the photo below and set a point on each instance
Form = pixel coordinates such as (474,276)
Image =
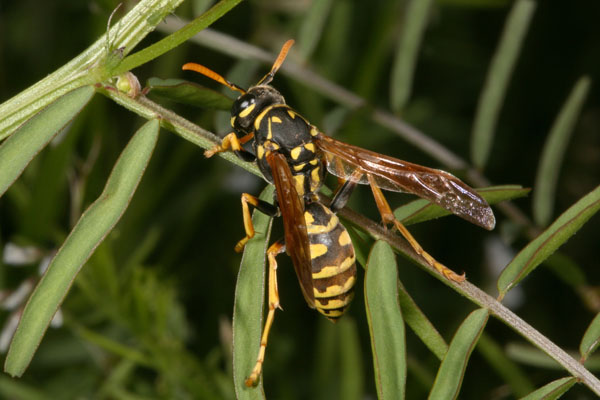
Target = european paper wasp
(294,155)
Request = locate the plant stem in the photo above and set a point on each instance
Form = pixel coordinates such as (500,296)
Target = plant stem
(91,66)
(482,299)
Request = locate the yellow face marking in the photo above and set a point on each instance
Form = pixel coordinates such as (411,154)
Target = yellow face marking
(295,153)
(260,151)
(291,113)
(344,238)
(276,120)
(314,229)
(333,270)
(310,147)
(232,120)
(317,250)
(335,290)
(247,110)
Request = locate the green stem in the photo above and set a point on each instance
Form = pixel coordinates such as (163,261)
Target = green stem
(89,67)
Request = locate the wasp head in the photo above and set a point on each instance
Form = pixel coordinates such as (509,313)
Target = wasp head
(249,105)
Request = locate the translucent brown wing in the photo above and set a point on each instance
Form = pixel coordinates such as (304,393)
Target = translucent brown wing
(292,211)
(437,186)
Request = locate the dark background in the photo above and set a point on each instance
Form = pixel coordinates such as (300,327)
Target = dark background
(185,218)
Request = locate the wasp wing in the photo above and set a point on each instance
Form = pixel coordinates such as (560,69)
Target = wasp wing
(294,224)
(447,191)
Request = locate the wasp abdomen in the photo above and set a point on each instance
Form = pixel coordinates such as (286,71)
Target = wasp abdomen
(332,259)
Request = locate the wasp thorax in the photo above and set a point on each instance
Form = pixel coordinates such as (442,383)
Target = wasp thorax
(249,105)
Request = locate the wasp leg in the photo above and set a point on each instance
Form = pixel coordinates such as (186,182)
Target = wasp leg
(275,249)
(230,141)
(388,218)
(343,192)
(262,206)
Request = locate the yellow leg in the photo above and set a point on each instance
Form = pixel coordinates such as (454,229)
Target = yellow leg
(275,249)
(229,142)
(388,218)
(248,226)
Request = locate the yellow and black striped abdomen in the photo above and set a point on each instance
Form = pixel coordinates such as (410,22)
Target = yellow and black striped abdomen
(332,259)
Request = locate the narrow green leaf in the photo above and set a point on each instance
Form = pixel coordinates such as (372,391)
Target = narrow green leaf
(494,89)
(552,390)
(176,38)
(93,226)
(527,354)
(511,372)
(249,300)
(591,338)
(423,210)
(311,29)
(421,326)
(327,356)
(548,241)
(554,150)
(351,365)
(450,375)
(385,322)
(189,93)
(31,137)
(414,23)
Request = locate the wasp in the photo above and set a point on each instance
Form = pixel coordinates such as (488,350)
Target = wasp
(295,156)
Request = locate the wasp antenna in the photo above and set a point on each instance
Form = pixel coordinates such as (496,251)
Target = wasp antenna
(280,58)
(201,69)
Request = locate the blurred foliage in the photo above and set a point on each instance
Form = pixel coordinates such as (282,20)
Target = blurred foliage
(149,316)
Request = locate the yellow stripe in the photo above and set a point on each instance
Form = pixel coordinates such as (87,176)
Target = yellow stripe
(344,238)
(332,270)
(310,147)
(291,113)
(260,116)
(299,167)
(315,176)
(317,250)
(315,229)
(332,305)
(276,119)
(295,152)
(260,151)
(335,290)
(299,184)
(232,120)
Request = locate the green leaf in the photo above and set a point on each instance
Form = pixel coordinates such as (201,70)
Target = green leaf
(554,150)
(20,148)
(552,390)
(590,339)
(189,93)
(176,38)
(351,365)
(248,307)
(421,326)
(414,23)
(532,356)
(494,90)
(511,372)
(312,27)
(423,210)
(91,229)
(548,241)
(385,322)
(450,375)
